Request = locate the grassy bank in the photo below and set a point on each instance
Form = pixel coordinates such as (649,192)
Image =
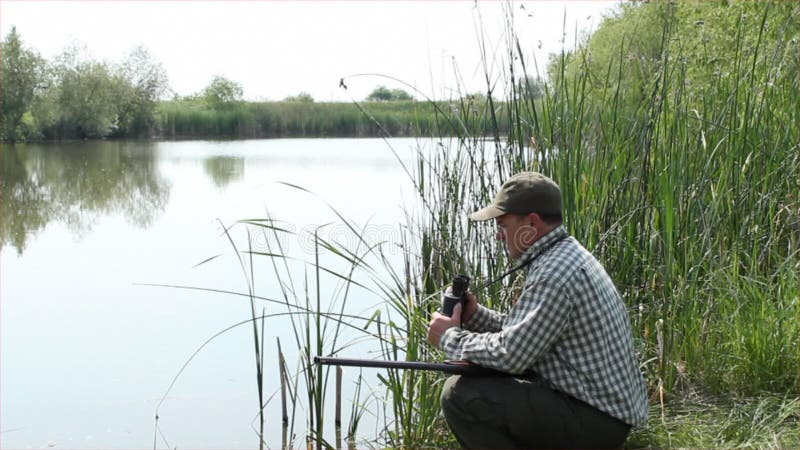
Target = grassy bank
(194,119)
(766,421)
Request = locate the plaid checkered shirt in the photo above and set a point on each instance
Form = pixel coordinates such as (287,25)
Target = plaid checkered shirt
(569,326)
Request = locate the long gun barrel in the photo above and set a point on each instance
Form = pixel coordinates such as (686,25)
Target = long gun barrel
(455,367)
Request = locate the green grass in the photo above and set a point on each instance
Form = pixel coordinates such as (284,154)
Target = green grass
(193,119)
(692,422)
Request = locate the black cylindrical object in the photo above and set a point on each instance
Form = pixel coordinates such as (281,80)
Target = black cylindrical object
(456,295)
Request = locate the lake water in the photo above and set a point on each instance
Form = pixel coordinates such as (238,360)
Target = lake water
(87,351)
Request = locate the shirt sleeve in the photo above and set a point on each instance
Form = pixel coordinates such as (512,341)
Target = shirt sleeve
(533,324)
(484,319)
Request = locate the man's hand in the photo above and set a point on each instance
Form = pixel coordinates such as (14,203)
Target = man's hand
(440,323)
(471,305)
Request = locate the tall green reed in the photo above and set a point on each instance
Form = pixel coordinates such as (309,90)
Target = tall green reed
(193,119)
(318,334)
(654,185)
(686,191)
(316,321)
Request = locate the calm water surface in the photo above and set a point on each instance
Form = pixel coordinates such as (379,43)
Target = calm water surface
(87,352)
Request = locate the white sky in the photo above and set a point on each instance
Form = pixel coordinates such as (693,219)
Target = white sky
(279,48)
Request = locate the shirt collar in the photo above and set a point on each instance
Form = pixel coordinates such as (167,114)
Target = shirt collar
(544,243)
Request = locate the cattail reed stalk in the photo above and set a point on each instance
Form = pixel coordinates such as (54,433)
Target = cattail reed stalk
(338,413)
(283,377)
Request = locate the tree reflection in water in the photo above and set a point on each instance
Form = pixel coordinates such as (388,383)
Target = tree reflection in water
(224,170)
(75,183)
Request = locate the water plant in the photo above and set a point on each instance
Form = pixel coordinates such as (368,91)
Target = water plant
(678,169)
(682,177)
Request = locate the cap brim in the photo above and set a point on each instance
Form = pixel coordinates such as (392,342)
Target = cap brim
(488,213)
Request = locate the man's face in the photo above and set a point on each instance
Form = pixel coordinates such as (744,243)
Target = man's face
(517,231)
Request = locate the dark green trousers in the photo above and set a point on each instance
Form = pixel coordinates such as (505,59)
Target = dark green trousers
(509,412)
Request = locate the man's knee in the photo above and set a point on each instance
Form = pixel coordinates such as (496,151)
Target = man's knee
(449,398)
(464,399)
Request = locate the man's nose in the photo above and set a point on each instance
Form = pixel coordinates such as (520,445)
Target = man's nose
(499,235)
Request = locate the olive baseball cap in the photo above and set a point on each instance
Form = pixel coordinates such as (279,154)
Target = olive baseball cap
(524,193)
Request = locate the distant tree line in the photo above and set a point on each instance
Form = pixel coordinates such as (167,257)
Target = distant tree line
(301,117)
(74,96)
(384,94)
(77,97)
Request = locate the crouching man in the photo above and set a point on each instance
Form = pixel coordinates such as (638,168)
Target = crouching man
(567,342)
